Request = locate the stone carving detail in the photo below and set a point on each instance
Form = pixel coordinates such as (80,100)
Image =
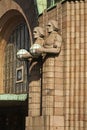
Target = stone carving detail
(38,34)
(53,41)
(51,44)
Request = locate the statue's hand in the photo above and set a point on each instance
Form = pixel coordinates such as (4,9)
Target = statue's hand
(39,50)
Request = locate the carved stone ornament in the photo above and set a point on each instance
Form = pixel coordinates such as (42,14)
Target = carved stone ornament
(53,41)
(38,34)
(51,44)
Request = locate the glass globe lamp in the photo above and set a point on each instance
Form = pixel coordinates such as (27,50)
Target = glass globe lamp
(22,52)
(33,49)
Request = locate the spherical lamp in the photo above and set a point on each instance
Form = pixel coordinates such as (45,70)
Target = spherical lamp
(22,52)
(33,49)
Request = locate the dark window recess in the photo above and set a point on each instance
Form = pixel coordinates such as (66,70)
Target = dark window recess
(19,39)
(51,3)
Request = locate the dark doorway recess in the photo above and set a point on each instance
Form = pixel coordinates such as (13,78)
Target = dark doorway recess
(12,118)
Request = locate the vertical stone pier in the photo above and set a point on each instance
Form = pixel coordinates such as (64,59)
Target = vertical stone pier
(35,87)
(52,91)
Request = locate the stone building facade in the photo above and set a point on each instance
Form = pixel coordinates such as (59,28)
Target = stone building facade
(57,86)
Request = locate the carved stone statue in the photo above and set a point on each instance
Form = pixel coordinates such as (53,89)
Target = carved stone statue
(53,41)
(38,34)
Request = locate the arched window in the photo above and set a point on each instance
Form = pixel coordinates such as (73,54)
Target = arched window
(18,39)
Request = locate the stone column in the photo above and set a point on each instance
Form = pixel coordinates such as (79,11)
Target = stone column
(48,85)
(35,87)
(52,91)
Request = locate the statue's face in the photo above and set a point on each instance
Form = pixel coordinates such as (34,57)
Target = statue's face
(50,27)
(36,33)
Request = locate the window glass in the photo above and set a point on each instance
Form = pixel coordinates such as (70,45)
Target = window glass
(41,5)
(51,3)
(18,39)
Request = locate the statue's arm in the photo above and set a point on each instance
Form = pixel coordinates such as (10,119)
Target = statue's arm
(55,49)
(56,46)
(25,56)
(51,50)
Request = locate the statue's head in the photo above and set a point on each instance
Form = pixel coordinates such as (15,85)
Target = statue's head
(38,32)
(52,25)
